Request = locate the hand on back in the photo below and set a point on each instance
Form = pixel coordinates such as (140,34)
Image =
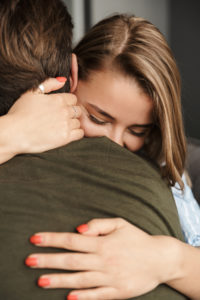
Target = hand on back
(113,259)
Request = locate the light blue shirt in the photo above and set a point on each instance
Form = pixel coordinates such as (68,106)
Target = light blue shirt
(189,213)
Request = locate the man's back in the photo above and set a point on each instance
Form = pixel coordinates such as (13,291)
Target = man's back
(62,188)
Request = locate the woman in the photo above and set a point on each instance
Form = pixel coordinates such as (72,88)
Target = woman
(131,53)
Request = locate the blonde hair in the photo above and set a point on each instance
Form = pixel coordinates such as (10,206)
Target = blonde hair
(136,48)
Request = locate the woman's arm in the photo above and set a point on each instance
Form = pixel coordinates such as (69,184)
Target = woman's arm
(7,151)
(187,265)
(119,259)
(39,122)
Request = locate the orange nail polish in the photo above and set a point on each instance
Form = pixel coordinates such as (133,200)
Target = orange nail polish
(36,239)
(72,297)
(31,261)
(43,282)
(82,228)
(61,79)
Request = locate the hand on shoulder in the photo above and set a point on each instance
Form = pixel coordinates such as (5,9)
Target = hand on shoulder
(39,122)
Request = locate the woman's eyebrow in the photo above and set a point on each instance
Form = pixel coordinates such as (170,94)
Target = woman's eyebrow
(100,111)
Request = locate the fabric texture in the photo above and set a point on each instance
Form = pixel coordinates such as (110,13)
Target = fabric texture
(193,166)
(189,213)
(63,188)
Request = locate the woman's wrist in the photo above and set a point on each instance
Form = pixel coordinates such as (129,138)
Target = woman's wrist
(170,258)
(186,270)
(8,145)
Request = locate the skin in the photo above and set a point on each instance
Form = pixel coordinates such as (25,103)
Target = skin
(98,98)
(42,122)
(178,264)
(115,106)
(40,118)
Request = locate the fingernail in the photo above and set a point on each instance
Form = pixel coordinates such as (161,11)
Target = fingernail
(61,79)
(36,239)
(72,297)
(44,281)
(31,261)
(82,228)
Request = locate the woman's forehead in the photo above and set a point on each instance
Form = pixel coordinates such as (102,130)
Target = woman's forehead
(117,95)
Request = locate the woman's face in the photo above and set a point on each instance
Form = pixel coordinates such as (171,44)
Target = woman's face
(114,106)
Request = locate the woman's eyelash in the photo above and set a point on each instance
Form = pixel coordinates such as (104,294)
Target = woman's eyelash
(139,134)
(95,120)
(99,122)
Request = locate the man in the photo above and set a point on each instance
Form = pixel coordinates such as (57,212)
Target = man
(62,188)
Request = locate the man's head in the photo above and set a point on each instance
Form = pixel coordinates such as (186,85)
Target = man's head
(35,43)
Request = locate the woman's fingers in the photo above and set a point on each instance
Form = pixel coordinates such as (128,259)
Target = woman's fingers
(70,99)
(97,227)
(74,112)
(64,261)
(53,84)
(78,280)
(74,124)
(99,293)
(69,241)
(44,122)
(118,252)
(75,135)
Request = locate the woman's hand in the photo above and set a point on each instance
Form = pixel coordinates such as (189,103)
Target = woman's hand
(39,122)
(115,257)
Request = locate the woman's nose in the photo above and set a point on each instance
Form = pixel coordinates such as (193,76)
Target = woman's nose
(116,136)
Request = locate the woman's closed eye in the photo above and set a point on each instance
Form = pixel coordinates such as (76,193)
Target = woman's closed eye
(136,133)
(96,120)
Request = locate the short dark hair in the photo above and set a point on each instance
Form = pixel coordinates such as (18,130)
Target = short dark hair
(35,44)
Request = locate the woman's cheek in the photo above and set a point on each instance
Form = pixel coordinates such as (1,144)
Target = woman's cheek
(90,129)
(135,143)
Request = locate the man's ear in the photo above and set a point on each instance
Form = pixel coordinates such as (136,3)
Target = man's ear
(74,73)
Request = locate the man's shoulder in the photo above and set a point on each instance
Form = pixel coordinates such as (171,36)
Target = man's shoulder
(98,154)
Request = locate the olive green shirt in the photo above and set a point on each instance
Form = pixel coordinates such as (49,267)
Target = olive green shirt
(63,188)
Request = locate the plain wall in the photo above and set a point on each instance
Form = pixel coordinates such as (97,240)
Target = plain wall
(77,9)
(156,11)
(185,43)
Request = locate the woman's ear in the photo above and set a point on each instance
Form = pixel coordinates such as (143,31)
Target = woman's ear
(74,73)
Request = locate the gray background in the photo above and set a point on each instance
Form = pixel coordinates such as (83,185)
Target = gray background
(178,20)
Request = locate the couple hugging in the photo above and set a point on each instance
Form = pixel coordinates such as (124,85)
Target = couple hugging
(100,207)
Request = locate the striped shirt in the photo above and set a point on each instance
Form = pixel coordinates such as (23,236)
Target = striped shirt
(189,213)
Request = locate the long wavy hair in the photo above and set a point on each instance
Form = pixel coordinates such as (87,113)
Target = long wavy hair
(136,48)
